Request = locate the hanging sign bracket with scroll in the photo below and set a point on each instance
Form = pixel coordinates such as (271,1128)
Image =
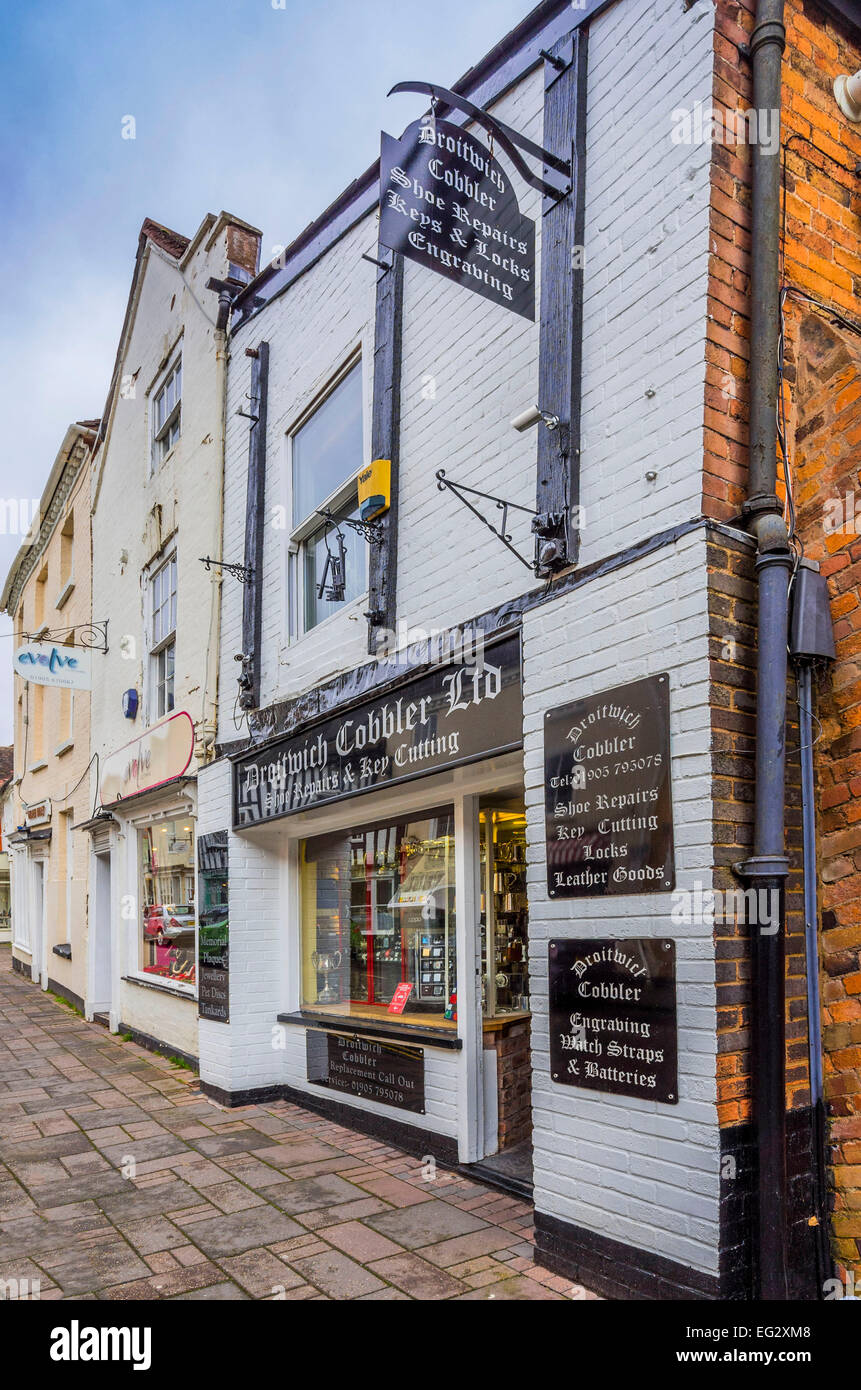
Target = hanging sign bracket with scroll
(447,203)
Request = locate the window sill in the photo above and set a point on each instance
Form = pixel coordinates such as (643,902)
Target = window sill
(62,748)
(37,767)
(65,594)
(175,991)
(406,1032)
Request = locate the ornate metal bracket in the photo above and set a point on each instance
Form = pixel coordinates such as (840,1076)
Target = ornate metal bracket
(243,573)
(502,534)
(93,636)
(505,137)
(372,533)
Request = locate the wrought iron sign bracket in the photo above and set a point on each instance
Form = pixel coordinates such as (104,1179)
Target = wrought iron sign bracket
(507,138)
(94,636)
(240,572)
(372,533)
(504,506)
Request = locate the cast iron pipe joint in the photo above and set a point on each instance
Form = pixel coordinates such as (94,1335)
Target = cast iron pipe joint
(772,537)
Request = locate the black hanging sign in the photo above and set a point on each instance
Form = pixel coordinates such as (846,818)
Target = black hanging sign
(388,1073)
(446,203)
(608,810)
(451,715)
(613,1017)
(213,930)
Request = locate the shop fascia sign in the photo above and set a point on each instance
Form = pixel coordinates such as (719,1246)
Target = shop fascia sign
(159,755)
(38,814)
(447,203)
(45,663)
(441,719)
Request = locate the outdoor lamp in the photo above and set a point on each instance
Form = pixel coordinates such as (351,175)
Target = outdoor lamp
(847,93)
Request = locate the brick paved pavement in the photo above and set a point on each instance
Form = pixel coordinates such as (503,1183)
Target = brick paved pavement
(261,1202)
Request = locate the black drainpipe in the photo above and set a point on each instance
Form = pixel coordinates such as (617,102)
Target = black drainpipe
(768,866)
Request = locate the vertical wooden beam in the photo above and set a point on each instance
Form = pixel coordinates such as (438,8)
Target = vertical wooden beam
(255,511)
(385,442)
(561,330)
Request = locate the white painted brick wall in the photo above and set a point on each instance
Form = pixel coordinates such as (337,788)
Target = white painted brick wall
(633,1170)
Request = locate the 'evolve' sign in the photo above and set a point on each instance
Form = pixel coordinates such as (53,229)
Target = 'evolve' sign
(47,664)
(446,203)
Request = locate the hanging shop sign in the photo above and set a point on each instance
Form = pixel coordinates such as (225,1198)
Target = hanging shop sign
(447,204)
(613,1017)
(158,755)
(43,663)
(449,716)
(607,797)
(388,1073)
(213,929)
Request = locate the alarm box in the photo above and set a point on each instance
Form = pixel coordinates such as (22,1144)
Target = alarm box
(374,483)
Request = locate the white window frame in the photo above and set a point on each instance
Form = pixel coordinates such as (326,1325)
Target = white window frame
(174,812)
(159,433)
(166,642)
(294,629)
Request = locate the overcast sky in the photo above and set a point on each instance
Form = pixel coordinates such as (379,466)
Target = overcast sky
(266,112)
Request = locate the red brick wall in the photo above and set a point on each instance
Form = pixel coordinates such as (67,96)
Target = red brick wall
(822,260)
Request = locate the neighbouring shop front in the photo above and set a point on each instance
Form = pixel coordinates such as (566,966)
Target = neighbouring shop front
(143,889)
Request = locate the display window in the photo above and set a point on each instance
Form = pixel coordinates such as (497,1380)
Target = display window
(378,920)
(168,912)
(504,911)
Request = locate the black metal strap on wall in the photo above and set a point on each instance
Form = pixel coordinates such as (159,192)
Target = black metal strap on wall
(385,442)
(561,328)
(255,507)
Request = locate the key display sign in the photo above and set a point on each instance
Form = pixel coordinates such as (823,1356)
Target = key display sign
(613,1020)
(607,794)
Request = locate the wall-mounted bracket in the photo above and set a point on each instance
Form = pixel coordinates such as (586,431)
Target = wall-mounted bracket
(505,137)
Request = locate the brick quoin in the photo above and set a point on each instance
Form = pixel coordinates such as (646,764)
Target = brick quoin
(821,260)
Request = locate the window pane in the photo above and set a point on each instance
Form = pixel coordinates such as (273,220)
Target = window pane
(327,451)
(315,553)
(378,912)
(166,859)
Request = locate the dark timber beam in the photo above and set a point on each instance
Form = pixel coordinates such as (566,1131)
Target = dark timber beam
(561,328)
(385,442)
(255,509)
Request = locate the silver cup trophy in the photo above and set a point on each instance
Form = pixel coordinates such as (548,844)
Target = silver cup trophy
(326,962)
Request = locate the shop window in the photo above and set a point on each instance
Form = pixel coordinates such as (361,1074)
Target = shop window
(378,920)
(166,414)
(504,912)
(168,915)
(162,645)
(326,455)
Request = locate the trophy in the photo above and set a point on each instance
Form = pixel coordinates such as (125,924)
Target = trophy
(325,962)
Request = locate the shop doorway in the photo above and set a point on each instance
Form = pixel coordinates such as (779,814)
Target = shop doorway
(506,1014)
(102,955)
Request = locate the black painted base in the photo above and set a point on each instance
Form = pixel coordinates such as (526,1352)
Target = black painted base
(20,967)
(164,1049)
(613,1269)
(405,1136)
(67,994)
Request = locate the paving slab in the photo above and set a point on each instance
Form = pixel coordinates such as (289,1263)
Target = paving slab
(243,1230)
(426,1224)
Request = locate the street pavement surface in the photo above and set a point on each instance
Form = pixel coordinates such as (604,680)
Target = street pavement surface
(120,1180)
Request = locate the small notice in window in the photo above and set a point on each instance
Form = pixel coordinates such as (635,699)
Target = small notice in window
(399,999)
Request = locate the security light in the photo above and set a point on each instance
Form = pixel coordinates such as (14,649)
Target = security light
(527,418)
(847,93)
